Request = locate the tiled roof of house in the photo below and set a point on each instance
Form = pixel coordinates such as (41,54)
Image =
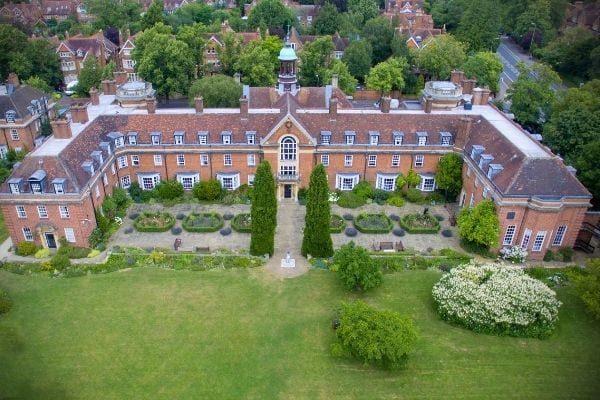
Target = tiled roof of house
(90,44)
(19,99)
(57,7)
(24,13)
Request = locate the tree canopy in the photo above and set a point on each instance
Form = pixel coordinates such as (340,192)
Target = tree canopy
(379,32)
(366,9)
(327,21)
(387,75)
(346,81)
(153,15)
(486,68)
(449,174)
(271,14)
(357,57)
(113,13)
(263,212)
(479,26)
(217,91)
(315,58)
(572,53)
(317,236)
(90,76)
(357,269)
(440,56)
(479,224)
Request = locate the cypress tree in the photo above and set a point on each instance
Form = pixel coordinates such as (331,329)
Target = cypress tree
(317,237)
(263,212)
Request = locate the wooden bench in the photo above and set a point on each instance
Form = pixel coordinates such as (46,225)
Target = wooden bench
(386,246)
(399,246)
(201,249)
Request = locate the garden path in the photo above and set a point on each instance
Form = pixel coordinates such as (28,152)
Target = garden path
(288,237)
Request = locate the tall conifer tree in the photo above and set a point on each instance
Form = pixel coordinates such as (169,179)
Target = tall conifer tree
(263,212)
(317,236)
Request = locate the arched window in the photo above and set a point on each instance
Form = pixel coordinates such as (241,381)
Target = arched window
(288,149)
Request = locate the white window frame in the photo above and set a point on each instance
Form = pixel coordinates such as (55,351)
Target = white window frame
(132,140)
(152,181)
(472,200)
(373,140)
(202,139)
(251,180)
(422,140)
(288,149)
(188,180)
(346,182)
(526,238)
(97,191)
(105,179)
(427,183)
(70,235)
(251,158)
(119,142)
(326,139)
(226,179)
(386,182)
(155,140)
(158,159)
(395,160)
(348,159)
(180,159)
(538,241)
(419,160)
(125,182)
(64,212)
(179,139)
(226,139)
(509,235)
(398,140)
(350,139)
(42,211)
(203,159)
(560,235)
(122,162)
(227,160)
(135,160)
(59,188)
(372,160)
(21,212)
(250,139)
(14,134)
(27,234)
(325,160)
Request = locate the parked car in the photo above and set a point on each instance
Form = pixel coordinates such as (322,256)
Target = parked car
(70,89)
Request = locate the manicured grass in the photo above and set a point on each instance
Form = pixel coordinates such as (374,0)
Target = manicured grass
(3,230)
(151,333)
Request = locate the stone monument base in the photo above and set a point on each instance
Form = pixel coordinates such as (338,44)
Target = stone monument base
(288,263)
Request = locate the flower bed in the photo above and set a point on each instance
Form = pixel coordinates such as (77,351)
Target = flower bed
(373,223)
(336,224)
(420,223)
(154,222)
(496,299)
(242,223)
(203,222)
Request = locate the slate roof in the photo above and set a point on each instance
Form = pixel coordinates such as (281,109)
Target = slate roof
(89,44)
(19,100)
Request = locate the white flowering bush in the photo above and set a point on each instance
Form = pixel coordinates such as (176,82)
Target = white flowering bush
(333,197)
(514,254)
(119,220)
(496,299)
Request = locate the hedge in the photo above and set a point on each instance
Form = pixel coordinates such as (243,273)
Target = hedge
(238,223)
(190,227)
(406,222)
(337,224)
(168,218)
(386,223)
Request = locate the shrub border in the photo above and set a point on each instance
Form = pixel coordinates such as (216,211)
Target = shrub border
(238,228)
(337,230)
(151,228)
(370,230)
(413,230)
(202,229)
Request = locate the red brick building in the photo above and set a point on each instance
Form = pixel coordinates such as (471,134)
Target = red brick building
(54,191)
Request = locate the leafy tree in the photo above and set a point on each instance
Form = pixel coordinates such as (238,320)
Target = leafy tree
(587,283)
(317,236)
(537,16)
(193,36)
(440,56)
(229,54)
(357,57)
(168,63)
(191,13)
(108,70)
(571,52)
(380,337)
(400,183)
(169,190)
(479,224)
(12,41)
(153,15)
(109,208)
(357,269)
(449,174)
(379,32)
(217,91)
(315,58)
(531,94)
(412,179)
(258,61)
(486,67)
(447,12)
(271,14)
(147,37)
(207,190)
(346,81)
(90,76)
(479,26)
(38,83)
(387,75)
(117,13)
(263,211)
(367,9)
(327,22)
(43,61)
(586,163)
(350,24)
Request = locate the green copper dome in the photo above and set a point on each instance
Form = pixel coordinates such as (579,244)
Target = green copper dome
(287,53)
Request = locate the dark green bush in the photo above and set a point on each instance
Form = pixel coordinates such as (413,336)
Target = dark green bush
(380,196)
(154,222)
(566,253)
(176,230)
(135,191)
(71,251)
(348,217)
(242,223)
(203,222)
(209,190)
(336,224)
(350,200)
(476,248)
(447,233)
(60,262)
(420,223)
(435,198)
(133,215)
(169,190)
(5,302)
(364,190)
(25,248)
(373,223)
(414,195)
(96,238)
(121,199)
(549,256)
(227,216)
(398,232)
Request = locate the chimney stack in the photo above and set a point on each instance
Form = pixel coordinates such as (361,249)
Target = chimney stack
(120,77)
(333,106)
(428,104)
(463,133)
(485,96)
(13,79)
(199,104)
(94,96)
(109,87)
(79,113)
(244,107)
(457,77)
(477,92)
(468,85)
(385,104)
(151,105)
(334,80)
(238,78)
(61,128)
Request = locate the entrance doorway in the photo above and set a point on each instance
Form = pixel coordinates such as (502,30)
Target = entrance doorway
(287,191)
(50,241)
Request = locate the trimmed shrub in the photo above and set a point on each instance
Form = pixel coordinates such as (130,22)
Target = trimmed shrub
(203,222)
(373,223)
(435,198)
(336,224)
(5,302)
(494,299)
(225,231)
(351,232)
(227,216)
(348,217)
(129,230)
(357,269)
(176,230)
(154,222)
(398,232)
(42,253)
(395,200)
(208,190)
(60,262)
(566,253)
(395,217)
(26,248)
(350,200)
(134,215)
(381,337)
(136,192)
(242,223)
(439,217)
(169,190)
(380,196)
(364,190)
(414,195)
(420,223)
(447,233)
(549,256)
(180,216)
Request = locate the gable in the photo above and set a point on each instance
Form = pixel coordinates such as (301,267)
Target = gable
(62,47)
(288,125)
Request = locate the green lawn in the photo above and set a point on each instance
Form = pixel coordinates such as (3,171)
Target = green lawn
(3,230)
(236,334)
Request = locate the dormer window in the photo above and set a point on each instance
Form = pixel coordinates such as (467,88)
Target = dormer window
(106,147)
(88,167)
(445,138)
(203,137)
(119,142)
(350,135)
(15,185)
(373,138)
(398,138)
(10,116)
(179,137)
(226,137)
(476,150)
(59,185)
(155,138)
(485,160)
(421,138)
(325,137)
(37,181)
(79,53)
(97,155)
(494,170)
(251,137)
(132,138)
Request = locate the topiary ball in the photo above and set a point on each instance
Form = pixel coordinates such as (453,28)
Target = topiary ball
(128,230)
(444,268)
(348,217)
(439,217)
(398,232)
(394,217)
(176,230)
(225,231)
(447,233)
(351,232)
(227,216)
(180,216)
(134,215)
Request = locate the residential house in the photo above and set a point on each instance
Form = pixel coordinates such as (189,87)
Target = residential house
(53,193)
(23,14)
(58,9)
(585,15)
